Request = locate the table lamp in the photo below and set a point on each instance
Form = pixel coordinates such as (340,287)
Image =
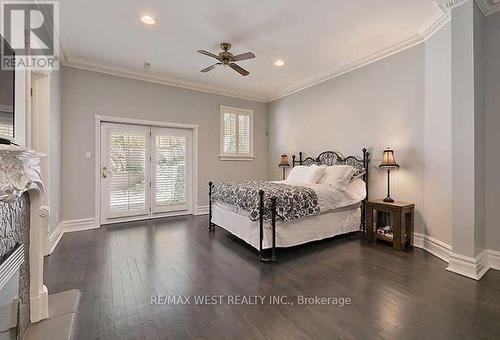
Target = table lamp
(388,163)
(284,164)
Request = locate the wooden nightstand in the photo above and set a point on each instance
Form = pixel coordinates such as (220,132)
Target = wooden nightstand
(398,215)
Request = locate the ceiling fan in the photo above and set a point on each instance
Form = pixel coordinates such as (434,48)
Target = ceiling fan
(226,58)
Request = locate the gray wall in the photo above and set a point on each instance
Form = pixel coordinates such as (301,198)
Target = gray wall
(479,139)
(438,174)
(377,106)
(463,130)
(86,94)
(491,40)
(55,149)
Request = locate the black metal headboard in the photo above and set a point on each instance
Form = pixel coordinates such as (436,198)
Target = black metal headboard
(333,158)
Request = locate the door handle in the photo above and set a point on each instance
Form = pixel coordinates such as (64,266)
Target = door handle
(104,172)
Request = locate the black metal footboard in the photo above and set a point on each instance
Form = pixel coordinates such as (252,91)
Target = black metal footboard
(211,226)
(264,254)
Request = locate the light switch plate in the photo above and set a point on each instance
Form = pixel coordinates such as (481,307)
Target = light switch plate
(88,155)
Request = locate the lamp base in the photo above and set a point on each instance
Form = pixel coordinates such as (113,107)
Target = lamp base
(388,200)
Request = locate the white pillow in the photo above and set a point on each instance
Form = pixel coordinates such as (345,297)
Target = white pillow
(306,174)
(338,176)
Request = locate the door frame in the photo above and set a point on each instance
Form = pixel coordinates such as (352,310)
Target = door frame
(123,120)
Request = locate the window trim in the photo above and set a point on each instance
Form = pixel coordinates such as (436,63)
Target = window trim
(235,156)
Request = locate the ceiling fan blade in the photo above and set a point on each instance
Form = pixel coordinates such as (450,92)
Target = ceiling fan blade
(239,69)
(208,54)
(244,56)
(210,68)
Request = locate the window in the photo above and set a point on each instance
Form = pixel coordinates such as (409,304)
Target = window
(6,121)
(6,130)
(236,133)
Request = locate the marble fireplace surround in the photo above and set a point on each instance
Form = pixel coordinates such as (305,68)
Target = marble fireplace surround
(20,173)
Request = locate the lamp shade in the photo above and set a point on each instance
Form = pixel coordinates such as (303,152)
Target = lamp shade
(389,161)
(284,161)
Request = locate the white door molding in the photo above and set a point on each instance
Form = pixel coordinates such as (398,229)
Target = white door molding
(122,120)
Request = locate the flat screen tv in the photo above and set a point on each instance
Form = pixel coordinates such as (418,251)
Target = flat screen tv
(7,93)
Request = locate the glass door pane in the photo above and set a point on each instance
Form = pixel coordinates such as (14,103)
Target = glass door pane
(125,178)
(171,169)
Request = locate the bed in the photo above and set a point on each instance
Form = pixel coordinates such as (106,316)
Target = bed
(261,214)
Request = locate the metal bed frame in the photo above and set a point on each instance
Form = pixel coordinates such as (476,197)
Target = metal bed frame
(325,158)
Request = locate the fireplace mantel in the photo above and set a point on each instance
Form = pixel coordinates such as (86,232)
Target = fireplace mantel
(20,173)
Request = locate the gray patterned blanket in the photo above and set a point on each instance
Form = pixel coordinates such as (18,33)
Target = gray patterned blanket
(293,202)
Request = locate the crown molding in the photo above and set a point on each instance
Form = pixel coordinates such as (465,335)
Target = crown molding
(448,5)
(337,72)
(157,79)
(421,36)
(488,7)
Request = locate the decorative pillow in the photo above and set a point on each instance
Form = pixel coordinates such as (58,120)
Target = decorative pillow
(306,174)
(338,175)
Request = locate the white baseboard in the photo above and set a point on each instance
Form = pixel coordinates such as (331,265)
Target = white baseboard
(494,259)
(55,237)
(467,266)
(202,210)
(87,224)
(68,227)
(79,225)
(471,267)
(433,246)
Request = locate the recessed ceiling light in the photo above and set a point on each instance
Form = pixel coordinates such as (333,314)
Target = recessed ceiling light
(279,62)
(148,20)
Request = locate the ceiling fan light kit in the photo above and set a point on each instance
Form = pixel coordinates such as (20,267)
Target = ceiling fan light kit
(226,58)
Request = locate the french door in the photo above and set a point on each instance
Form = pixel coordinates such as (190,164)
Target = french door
(146,172)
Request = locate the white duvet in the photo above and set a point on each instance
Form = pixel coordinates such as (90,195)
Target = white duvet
(331,197)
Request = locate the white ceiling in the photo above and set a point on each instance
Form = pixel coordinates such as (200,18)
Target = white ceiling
(316,38)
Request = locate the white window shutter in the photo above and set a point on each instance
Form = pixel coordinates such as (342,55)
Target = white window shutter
(170,168)
(236,133)
(6,130)
(6,126)
(243,134)
(127,155)
(230,134)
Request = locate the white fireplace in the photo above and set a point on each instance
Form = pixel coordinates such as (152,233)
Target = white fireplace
(20,173)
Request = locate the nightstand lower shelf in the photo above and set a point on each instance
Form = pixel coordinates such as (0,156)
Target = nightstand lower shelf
(397,220)
(389,238)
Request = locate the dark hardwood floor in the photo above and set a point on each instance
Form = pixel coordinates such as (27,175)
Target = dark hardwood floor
(394,295)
